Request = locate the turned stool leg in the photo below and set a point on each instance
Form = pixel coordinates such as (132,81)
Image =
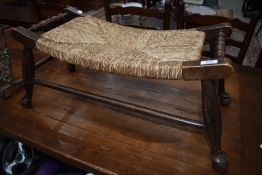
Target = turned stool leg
(225,98)
(212,119)
(28,71)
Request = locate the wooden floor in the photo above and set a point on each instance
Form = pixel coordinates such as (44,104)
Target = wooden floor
(109,140)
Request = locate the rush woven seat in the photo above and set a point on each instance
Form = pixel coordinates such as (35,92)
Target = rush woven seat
(100,45)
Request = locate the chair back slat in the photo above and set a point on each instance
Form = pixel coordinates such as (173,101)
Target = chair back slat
(119,10)
(208,19)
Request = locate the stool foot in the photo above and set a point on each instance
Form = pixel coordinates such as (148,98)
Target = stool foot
(220,162)
(26,102)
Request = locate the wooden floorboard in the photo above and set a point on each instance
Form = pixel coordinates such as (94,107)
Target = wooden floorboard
(109,140)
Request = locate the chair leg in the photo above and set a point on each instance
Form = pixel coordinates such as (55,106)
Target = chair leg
(244,5)
(28,71)
(260,27)
(71,67)
(212,119)
(225,98)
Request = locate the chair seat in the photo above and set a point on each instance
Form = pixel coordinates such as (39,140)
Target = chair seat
(100,45)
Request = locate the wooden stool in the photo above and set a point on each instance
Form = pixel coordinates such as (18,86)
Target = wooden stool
(134,52)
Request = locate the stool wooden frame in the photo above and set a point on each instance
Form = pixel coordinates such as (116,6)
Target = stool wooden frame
(192,70)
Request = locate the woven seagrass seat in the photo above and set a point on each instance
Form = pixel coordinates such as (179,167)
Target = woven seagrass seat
(100,45)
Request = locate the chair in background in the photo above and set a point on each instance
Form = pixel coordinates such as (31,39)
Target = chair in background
(185,20)
(119,10)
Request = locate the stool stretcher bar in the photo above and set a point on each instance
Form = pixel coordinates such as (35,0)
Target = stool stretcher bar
(161,115)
